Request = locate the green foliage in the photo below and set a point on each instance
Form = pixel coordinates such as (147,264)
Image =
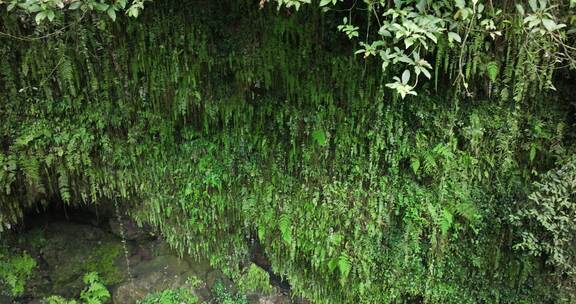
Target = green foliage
(550,215)
(95,292)
(255,279)
(223,295)
(171,296)
(220,128)
(59,300)
(53,10)
(285,225)
(344,266)
(15,270)
(409,31)
(492,70)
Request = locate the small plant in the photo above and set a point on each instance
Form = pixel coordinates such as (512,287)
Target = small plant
(171,296)
(94,293)
(59,300)
(223,295)
(15,271)
(194,281)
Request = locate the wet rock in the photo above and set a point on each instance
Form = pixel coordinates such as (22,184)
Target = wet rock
(66,251)
(127,229)
(259,256)
(4,299)
(275,299)
(158,274)
(200,267)
(69,250)
(217,276)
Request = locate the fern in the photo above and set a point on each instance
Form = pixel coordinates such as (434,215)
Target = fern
(467,210)
(95,292)
(446,221)
(31,168)
(64,184)
(492,70)
(344,265)
(285,225)
(66,73)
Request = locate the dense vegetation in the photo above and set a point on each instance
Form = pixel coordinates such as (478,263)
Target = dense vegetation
(225,124)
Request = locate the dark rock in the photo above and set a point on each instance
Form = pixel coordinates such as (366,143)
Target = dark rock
(275,299)
(158,274)
(127,229)
(255,298)
(67,252)
(200,267)
(217,276)
(5,299)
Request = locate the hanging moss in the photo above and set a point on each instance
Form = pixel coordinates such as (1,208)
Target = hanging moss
(218,129)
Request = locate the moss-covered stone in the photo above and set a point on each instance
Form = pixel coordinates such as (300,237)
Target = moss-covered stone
(104,260)
(67,252)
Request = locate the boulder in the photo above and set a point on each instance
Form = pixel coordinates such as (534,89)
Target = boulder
(160,273)
(127,229)
(67,252)
(275,299)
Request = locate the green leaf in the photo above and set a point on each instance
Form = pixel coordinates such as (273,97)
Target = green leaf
(549,24)
(460,4)
(332,264)
(111,13)
(533,5)
(405,76)
(532,151)
(454,37)
(320,137)
(121,4)
(446,221)
(520,9)
(285,225)
(50,14)
(40,16)
(75,5)
(426,73)
(415,164)
(492,70)
(344,266)
(421,5)
(101,6)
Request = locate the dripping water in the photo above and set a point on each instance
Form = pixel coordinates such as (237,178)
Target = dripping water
(124,243)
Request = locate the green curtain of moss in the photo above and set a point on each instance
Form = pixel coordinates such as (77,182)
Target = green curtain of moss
(221,125)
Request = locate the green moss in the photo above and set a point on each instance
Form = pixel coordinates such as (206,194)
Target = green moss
(102,260)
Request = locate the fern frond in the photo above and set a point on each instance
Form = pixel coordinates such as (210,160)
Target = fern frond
(285,225)
(344,265)
(446,221)
(466,210)
(64,184)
